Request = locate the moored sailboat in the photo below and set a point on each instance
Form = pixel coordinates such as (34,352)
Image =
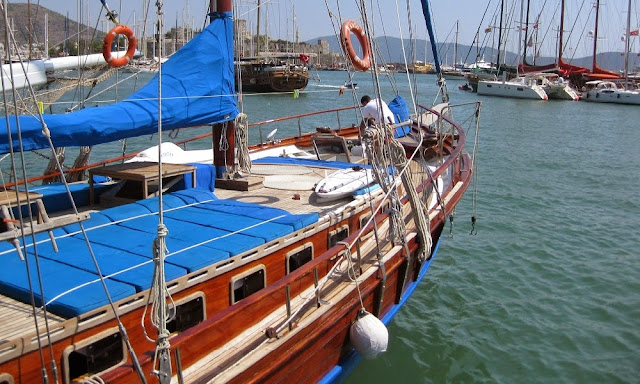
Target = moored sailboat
(234,270)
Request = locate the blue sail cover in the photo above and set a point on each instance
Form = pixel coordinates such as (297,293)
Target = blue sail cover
(197,89)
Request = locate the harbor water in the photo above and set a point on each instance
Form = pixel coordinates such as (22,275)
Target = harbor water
(548,289)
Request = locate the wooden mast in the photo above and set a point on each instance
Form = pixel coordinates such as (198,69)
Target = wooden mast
(222,158)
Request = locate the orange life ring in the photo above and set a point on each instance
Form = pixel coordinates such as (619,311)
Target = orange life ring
(108,40)
(348,27)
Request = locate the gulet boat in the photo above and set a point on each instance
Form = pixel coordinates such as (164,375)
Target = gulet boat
(223,264)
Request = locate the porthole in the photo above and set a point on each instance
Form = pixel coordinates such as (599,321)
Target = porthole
(189,312)
(364,219)
(337,235)
(248,283)
(298,257)
(6,378)
(94,355)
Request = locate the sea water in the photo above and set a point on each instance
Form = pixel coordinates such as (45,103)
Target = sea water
(548,289)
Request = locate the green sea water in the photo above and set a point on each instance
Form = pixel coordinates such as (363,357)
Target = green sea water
(548,290)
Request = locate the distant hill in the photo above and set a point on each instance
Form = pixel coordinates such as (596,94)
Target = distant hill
(609,60)
(18,14)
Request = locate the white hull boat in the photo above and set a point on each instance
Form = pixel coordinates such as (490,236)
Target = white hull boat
(608,92)
(343,183)
(524,87)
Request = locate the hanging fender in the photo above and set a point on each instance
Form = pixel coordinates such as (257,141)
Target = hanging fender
(361,64)
(108,40)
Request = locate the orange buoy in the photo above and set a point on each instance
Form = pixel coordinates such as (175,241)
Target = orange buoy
(348,27)
(108,40)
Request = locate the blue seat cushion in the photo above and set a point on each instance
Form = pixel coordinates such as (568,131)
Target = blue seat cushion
(181,253)
(168,202)
(57,279)
(124,212)
(95,219)
(185,231)
(195,195)
(261,212)
(55,197)
(245,225)
(125,266)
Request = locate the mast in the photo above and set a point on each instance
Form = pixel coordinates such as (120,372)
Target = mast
(520,31)
(434,49)
(258,31)
(455,47)
(223,157)
(626,47)
(500,34)
(595,37)
(526,33)
(29,26)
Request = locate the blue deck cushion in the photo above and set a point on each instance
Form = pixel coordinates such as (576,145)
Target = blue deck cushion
(181,251)
(266,231)
(261,212)
(58,278)
(168,201)
(124,212)
(55,197)
(192,233)
(195,195)
(95,219)
(128,268)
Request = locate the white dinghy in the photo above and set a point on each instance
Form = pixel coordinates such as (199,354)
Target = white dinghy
(343,183)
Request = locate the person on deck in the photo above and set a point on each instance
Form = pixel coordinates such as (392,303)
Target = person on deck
(370,112)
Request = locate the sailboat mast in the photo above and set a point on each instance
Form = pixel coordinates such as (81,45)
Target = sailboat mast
(455,47)
(520,30)
(526,33)
(561,30)
(500,34)
(595,37)
(258,31)
(626,48)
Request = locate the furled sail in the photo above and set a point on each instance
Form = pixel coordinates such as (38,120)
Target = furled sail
(197,89)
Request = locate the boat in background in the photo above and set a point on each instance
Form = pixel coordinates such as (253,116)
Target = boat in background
(602,91)
(223,264)
(350,85)
(278,73)
(556,87)
(621,91)
(522,87)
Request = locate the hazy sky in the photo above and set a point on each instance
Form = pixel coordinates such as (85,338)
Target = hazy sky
(312,18)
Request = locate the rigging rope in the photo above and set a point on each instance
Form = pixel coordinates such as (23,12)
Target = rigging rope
(242,142)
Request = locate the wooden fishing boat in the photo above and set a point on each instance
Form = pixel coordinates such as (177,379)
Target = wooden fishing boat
(231,270)
(272,74)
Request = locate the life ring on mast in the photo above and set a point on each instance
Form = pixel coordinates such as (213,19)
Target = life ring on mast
(108,40)
(361,64)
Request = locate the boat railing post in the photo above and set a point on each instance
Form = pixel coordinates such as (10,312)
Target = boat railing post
(299,128)
(338,118)
(179,366)
(288,293)
(359,255)
(315,285)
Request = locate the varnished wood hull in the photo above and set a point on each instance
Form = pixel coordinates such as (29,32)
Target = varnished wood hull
(311,348)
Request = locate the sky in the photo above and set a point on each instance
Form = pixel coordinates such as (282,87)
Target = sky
(311,18)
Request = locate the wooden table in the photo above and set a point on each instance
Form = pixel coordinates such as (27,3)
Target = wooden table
(142,175)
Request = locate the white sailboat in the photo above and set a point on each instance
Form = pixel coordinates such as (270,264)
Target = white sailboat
(605,91)
(522,87)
